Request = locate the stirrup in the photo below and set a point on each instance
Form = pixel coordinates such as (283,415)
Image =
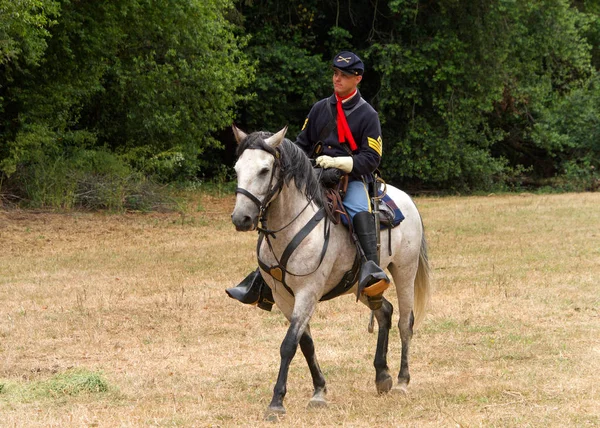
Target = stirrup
(374,294)
(376,289)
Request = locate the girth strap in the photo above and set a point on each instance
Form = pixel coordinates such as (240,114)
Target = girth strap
(347,281)
(279,271)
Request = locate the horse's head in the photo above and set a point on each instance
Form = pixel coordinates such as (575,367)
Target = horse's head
(258,176)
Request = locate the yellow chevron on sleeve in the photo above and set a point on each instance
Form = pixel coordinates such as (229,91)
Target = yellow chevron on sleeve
(304,126)
(376,144)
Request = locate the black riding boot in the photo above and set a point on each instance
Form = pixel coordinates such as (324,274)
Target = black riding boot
(372,280)
(253,290)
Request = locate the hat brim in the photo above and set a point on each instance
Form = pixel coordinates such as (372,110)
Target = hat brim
(348,72)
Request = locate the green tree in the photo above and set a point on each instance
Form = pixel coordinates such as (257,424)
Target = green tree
(292,69)
(466,81)
(462,87)
(23,41)
(171,86)
(23,31)
(151,81)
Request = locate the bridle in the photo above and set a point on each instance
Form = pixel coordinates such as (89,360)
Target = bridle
(273,189)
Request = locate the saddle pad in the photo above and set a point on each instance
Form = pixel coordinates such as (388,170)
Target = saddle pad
(394,214)
(390,215)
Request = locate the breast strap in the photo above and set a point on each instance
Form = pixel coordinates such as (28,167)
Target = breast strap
(279,270)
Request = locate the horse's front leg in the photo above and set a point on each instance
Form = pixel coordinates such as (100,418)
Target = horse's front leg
(303,310)
(320,390)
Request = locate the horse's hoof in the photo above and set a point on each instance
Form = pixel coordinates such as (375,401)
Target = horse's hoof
(400,390)
(274,414)
(317,403)
(384,386)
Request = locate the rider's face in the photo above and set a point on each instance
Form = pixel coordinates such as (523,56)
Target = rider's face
(344,84)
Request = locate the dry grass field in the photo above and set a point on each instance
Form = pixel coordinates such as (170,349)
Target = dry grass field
(121,320)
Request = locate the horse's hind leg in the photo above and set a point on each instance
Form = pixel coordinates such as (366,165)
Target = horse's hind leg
(405,291)
(405,325)
(320,390)
(383,380)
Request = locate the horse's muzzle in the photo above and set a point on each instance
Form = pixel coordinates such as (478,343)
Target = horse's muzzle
(243,223)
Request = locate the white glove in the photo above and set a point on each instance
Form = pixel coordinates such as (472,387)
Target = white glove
(345,163)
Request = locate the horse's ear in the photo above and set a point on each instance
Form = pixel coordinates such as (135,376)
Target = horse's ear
(275,140)
(239,134)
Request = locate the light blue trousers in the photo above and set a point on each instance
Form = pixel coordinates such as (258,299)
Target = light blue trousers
(357,198)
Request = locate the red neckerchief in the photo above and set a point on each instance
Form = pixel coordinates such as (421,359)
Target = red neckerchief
(343,129)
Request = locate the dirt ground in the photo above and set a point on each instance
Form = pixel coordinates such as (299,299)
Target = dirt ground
(512,337)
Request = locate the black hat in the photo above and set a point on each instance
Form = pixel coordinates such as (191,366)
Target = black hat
(349,63)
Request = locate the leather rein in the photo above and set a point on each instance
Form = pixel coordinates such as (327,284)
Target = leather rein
(280,270)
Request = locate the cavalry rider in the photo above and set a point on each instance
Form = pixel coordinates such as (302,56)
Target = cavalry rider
(354,146)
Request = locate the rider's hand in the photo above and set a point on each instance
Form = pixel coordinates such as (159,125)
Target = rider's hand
(345,163)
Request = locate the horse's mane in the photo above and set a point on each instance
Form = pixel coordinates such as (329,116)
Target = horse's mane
(294,164)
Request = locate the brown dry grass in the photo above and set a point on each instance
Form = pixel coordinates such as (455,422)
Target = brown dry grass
(512,337)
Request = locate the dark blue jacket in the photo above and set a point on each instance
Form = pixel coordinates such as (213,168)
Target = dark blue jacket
(364,125)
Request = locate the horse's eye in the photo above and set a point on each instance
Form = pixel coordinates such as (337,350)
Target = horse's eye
(264,171)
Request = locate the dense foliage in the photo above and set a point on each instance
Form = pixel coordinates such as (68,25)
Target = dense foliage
(472,95)
(114,88)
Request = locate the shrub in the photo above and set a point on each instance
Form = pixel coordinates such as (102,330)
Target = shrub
(88,179)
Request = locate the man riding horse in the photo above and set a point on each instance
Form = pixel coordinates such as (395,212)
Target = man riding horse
(344,132)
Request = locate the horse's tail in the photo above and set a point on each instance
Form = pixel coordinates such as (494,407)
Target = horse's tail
(422,283)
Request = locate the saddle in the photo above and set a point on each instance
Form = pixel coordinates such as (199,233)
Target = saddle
(390,216)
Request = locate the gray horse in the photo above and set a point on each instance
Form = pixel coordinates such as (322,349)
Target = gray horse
(278,188)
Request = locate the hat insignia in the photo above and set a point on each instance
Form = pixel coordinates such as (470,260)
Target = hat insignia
(346,60)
